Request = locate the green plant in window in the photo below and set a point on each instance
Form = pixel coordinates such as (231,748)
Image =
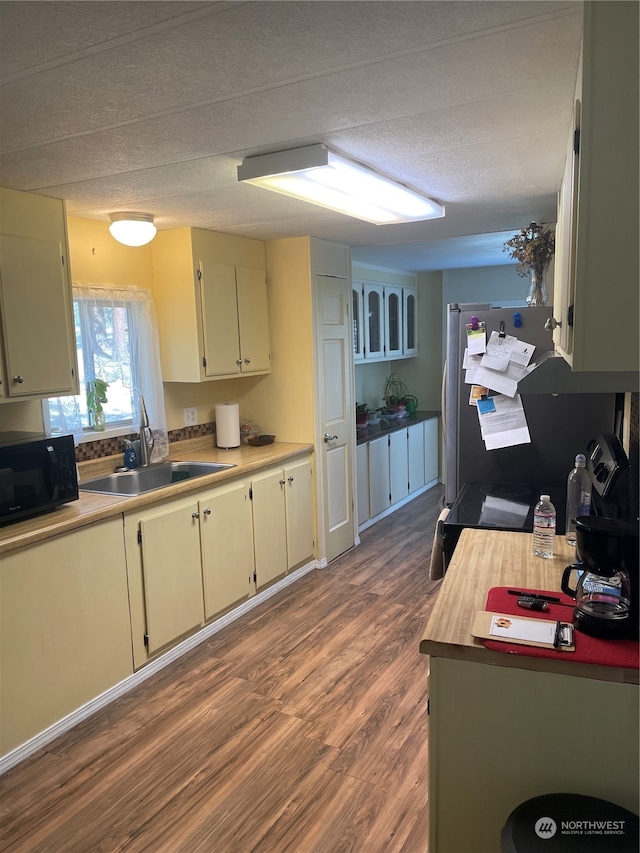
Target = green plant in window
(96,396)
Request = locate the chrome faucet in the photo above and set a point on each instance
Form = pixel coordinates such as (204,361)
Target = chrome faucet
(145,447)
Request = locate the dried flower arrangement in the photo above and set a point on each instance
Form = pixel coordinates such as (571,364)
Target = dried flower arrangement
(533,248)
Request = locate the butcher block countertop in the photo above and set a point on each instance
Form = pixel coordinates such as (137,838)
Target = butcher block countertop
(487,558)
(93,507)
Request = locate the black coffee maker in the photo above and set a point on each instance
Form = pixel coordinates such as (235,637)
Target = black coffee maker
(606,593)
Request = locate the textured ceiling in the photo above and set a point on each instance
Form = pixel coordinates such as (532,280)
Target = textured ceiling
(150,106)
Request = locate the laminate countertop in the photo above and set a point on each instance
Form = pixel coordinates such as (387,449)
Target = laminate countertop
(484,559)
(90,507)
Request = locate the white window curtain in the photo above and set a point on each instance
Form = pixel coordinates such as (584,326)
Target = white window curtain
(139,372)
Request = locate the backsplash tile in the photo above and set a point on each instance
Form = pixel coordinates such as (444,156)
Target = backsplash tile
(112,446)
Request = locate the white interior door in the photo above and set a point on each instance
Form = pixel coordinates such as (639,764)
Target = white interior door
(335,407)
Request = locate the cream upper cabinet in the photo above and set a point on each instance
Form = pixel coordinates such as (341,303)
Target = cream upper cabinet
(373,321)
(596,302)
(210,293)
(385,321)
(409,321)
(393,321)
(357,315)
(37,339)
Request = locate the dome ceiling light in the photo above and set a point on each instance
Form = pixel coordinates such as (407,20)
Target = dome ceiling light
(132,229)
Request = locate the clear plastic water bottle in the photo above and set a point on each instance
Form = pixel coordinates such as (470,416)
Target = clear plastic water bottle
(544,527)
(578,496)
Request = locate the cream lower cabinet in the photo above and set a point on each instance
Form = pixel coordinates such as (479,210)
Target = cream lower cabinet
(362,477)
(395,466)
(283,532)
(226,537)
(65,635)
(431,454)
(379,481)
(191,559)
(171,569)
(35,294)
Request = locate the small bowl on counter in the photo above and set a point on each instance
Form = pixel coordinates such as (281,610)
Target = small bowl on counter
(260,440)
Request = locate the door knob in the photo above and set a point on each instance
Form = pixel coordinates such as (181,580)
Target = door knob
(328,437)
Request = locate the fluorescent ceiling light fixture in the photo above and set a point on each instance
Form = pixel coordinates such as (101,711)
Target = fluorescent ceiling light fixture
(132,229)
(318,175)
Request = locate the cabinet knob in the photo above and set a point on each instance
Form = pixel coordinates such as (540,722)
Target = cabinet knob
(282,482)
(0,381)
(195,515)
(247,361)
(551,324)
(290,479)
(18,379)
(238,361)
(207,511)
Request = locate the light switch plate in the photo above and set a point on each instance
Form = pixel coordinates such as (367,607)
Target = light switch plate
(190,416)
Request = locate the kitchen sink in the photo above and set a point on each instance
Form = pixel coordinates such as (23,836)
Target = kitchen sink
(142,480)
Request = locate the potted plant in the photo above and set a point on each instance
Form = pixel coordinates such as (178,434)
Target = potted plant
(533,248)
(96,396)
(361,414)
(396,395)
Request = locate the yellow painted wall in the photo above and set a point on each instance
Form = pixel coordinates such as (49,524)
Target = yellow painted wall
(96,258)
(284,401)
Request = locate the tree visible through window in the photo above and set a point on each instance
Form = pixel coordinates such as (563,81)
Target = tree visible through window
(116,339)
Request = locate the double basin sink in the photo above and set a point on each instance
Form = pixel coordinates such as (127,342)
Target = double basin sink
(141,480)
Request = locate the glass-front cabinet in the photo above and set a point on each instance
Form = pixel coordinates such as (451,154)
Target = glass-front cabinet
(357,312)
(410,319)
(385,321)
(393,321)
(374,320)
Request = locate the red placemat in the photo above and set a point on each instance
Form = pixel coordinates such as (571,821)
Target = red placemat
(621,653)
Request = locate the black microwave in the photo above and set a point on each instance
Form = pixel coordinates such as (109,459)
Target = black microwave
(37,474)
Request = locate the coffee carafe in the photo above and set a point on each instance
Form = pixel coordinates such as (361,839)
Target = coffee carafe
(606,593)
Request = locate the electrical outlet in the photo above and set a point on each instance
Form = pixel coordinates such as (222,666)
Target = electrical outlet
(190,416)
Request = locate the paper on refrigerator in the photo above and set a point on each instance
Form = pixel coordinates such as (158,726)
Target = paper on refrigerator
(503,422)
(504,380)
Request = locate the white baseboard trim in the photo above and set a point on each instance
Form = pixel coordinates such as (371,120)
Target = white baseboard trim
(371,521)
(89,708)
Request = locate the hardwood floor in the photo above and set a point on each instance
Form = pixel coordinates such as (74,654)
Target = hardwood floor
(300,728)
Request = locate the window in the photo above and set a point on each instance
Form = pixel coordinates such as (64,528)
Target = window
(117,342)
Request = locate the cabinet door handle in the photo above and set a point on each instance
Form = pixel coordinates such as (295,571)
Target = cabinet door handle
(195,515)
(247,361)
(282,482)
(290,479)
(328,437)
(207,511)
(18,379)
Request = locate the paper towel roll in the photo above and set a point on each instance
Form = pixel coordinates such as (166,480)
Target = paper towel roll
(228,425)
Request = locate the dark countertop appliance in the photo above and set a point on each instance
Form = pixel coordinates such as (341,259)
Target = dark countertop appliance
(37,474)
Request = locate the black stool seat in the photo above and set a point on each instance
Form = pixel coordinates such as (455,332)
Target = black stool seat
(570,823)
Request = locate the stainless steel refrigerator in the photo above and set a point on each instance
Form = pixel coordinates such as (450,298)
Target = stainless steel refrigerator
(560,425)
